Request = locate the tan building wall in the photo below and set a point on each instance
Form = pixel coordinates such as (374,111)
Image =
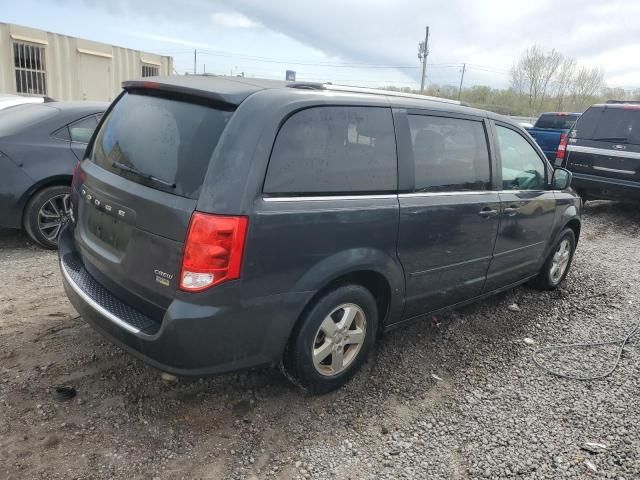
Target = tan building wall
(73,68)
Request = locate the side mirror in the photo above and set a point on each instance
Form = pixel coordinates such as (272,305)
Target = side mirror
(561,179)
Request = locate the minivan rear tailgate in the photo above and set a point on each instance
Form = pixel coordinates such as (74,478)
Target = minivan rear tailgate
(130,237)
(605,159)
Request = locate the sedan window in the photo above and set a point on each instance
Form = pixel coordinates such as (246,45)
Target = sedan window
(82,130)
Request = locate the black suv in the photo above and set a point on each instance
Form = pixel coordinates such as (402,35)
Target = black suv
(603,152)
(222,223)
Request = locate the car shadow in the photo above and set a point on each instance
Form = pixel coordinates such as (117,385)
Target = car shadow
(16,239)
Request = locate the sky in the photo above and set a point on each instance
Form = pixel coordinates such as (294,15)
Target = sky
(356,42)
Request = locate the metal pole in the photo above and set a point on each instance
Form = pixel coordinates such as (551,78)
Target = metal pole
(424,52)
(195,60)
(464,66)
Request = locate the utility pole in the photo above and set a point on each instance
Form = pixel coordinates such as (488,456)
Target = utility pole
(195,60)
(464,67)
(423,53)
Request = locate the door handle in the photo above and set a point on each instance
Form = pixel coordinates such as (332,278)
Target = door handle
(487,212)
(511,211)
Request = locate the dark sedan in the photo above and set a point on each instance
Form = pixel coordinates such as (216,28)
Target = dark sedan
(40,145)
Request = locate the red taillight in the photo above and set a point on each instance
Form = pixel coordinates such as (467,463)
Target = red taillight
(562,148)
(213,251)
(78,175)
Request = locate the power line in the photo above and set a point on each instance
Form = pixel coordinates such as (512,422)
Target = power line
(485,68)
(306,63)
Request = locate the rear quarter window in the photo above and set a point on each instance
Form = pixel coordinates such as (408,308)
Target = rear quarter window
(81,130)
(334,150)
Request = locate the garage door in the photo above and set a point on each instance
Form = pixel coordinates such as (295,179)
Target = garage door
(95,77)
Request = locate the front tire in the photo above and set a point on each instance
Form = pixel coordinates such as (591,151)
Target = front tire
(557,265)
(46,213)
(332,339)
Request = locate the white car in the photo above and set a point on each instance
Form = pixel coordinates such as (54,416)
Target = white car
(7,100)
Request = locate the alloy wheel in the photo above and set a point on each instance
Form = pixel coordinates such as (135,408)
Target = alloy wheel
(339,339)
(560,261)
(53,215)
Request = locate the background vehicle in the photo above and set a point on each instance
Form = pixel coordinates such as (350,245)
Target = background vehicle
(603,152)
(549,128)
(223,223)
(7,100)
(40,144)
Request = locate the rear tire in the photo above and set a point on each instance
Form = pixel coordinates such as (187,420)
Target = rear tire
(558,263)
(46,213)
(332,339)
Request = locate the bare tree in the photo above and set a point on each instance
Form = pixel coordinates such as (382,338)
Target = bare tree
(563,82)
(586,84)
(532,75)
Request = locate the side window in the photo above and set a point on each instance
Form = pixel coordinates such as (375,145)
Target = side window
(62,134)
(450,154)
(334,150)
(522,168)
(82,130)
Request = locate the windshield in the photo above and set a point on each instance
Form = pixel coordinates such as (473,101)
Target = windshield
(615,124)
(556,121)
(159,142)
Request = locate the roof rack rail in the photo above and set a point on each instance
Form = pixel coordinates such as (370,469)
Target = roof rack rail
(306,85)
(373,91)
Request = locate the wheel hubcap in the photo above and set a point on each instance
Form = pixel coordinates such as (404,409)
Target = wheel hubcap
(339,339)
(54,215)
(560,261)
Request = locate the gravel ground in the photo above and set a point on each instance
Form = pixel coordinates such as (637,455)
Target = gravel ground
(455,398)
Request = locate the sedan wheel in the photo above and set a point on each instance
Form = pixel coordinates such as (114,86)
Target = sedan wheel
(46,214)
(54,215)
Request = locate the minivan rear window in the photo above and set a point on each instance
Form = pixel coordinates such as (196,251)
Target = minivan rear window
(334,150)
(610,124)
(556,121)
(167,139)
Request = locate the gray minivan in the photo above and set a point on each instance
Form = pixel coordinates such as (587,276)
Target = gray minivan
(224,223)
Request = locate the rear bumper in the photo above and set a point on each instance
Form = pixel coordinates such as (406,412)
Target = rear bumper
(596,187)
(193,339)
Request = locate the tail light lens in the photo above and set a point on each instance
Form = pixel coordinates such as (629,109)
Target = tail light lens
(213,251)
(562,149)
(78,176)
